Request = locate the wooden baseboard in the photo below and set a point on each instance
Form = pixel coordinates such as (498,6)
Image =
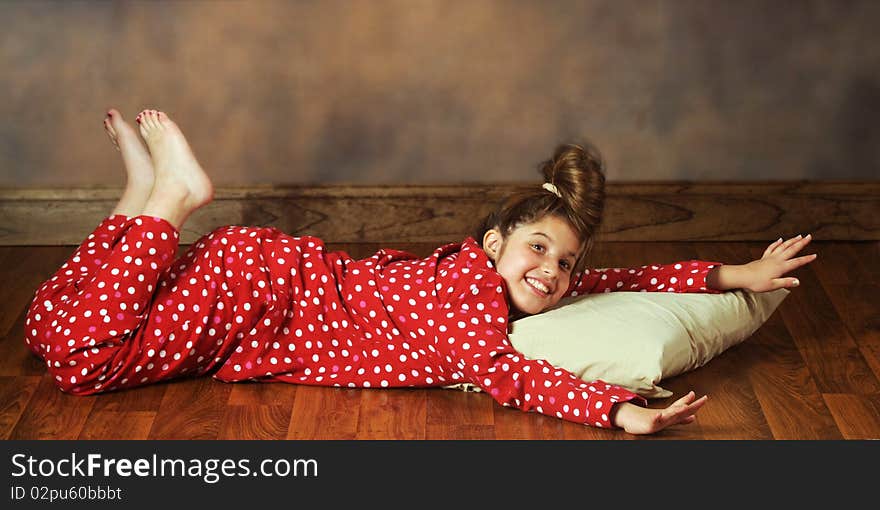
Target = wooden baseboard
(681,211)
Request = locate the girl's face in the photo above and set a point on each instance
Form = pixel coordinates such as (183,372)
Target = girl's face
(536,261)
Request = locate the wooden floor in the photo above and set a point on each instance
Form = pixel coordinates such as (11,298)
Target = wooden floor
(811,372)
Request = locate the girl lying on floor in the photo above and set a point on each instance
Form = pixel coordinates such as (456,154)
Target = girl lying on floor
(247,303)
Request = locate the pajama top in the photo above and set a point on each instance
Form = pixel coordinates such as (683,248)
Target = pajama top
(247,303)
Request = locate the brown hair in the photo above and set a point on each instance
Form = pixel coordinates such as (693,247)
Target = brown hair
(578,172)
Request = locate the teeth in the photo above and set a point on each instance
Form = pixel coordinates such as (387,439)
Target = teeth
(538,285)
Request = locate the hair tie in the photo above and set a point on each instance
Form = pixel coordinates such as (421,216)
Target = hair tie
(552,189)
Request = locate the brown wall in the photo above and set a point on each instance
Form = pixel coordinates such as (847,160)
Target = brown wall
(445,91)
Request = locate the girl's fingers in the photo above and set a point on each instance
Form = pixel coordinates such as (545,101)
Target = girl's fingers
(687,405)
(793,245)
(685,400)
(698,403)
(795,263)
(681,411)
(770,249)
(789,250)
(784,246)
(784,283)
(688,414)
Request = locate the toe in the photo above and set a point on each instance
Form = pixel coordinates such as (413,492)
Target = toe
(143,127)
(151,118)
(143,117)
(116,119)
(108,127)
(117,123)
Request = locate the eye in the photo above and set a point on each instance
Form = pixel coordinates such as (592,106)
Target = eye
(538,247)
(564,265)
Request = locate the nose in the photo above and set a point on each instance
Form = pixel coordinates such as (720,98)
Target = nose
(549,269)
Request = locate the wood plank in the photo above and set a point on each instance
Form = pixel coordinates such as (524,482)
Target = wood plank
(848,274)
(733,410)
(191,409)
(438,214)
(258,410)
(392,414)
(325,413)
(784,386)
(262,393)
(865,256)
(486,191)
(141,399)
(828,349)
(846,262)
(857,416)
(16,357)
(31,266)
(9,255)
(255,421)
(455,407)
(15,395)
(839,262)
(869,253)
(515,424)
(859,310)
(453,414)
(133,425)
(788,395)
(51,414)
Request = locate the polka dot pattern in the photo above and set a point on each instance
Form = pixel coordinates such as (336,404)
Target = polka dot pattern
(245,303)
(681,277)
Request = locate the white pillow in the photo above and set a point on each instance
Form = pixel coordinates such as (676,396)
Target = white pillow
(637,339)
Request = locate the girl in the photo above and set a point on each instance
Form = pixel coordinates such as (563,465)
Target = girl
(256,304)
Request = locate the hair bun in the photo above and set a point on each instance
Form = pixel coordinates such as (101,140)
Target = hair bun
(575,179)
(577,170)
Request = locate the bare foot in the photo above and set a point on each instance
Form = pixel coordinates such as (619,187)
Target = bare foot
(138,165)
(181,185)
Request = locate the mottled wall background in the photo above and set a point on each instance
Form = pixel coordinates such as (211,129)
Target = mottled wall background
(445,91)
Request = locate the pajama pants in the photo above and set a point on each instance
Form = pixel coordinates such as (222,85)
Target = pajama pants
(122,312)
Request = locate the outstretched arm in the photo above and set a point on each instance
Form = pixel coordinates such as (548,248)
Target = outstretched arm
(471,337)
(765,274)
(642,420)
(679,277)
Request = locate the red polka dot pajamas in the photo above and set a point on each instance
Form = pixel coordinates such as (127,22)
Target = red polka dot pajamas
(248,303)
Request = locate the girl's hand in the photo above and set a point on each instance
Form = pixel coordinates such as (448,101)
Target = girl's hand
(766,274)
(640,420)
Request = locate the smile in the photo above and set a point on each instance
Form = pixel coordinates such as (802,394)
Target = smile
(538,287)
